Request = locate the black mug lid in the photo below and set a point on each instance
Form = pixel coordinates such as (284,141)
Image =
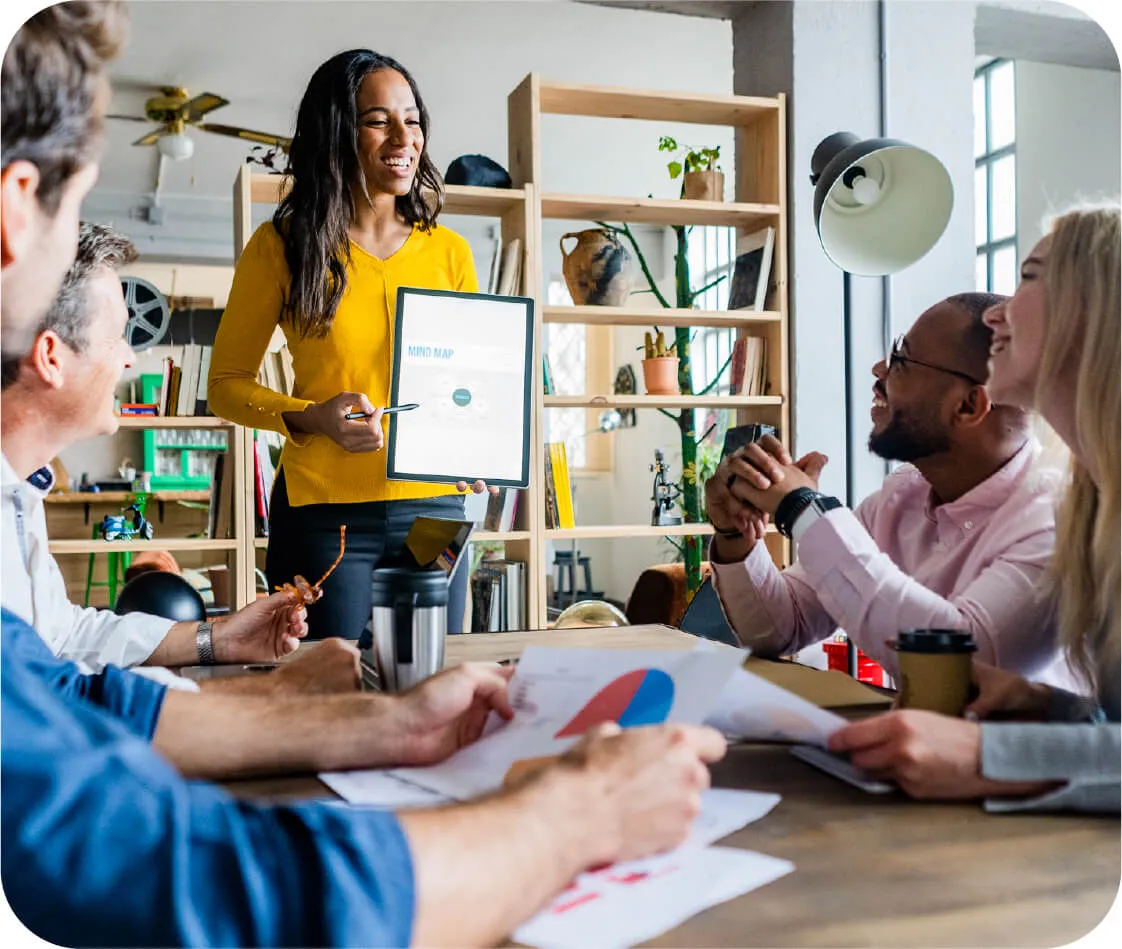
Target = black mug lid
(430,586)
(935,641)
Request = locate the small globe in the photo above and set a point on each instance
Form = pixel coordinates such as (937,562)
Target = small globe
(588,613)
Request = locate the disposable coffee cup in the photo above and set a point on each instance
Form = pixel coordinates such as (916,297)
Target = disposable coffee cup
(935,669)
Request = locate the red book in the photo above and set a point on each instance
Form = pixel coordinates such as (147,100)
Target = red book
(738,365)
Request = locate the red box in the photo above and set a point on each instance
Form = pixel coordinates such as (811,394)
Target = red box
(868,670)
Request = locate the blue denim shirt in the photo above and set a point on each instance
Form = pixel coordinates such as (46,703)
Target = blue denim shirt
(103,843)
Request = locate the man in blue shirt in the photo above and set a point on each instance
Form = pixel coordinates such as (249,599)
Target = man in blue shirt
(104,843)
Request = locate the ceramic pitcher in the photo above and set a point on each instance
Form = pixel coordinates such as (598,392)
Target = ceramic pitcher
(598,269)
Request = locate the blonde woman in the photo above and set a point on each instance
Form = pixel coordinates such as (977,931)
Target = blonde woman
(1056,349)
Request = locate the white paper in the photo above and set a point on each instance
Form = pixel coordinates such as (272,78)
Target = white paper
(464,360)
(628,903)
(376,788)
(750,707)
(724,811)
(558,693)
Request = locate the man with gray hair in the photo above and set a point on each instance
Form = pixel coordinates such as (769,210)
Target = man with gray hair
(60,392)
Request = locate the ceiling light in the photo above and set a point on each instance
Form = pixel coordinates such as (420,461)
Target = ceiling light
(176,147)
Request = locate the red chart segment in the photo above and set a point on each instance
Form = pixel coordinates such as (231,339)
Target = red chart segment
(641,697)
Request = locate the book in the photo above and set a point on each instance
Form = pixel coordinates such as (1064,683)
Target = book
(547,375)
(510,278)
(496,266)
(201,407)
(751,274)
(738,365)
(559,466)
(550,493)
(502,508)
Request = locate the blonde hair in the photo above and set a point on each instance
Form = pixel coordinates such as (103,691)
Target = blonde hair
(1082,337)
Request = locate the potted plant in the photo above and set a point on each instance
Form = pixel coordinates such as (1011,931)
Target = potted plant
(660,367)
(702,178)
(684,297)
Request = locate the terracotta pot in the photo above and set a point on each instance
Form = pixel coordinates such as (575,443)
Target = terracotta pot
(704,186)
(660,375)
(598,269)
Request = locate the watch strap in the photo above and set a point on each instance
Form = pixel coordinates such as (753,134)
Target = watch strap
(792,505)
(204,643)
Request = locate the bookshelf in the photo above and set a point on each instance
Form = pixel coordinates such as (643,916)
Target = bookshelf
(236,548)
(516,210)
(761,193)
(761,200)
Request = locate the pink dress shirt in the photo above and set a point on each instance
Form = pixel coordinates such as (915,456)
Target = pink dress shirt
(899,562)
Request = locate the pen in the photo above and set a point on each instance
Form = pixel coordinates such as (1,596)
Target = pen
(389,410)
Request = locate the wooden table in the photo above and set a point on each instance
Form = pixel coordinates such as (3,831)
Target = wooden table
(870,870)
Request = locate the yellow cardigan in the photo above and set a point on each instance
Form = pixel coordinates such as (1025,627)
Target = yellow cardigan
(354,357)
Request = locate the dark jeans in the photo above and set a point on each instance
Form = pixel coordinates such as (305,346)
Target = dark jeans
(305,540)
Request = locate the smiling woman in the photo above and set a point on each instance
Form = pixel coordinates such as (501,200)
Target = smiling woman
(359,222)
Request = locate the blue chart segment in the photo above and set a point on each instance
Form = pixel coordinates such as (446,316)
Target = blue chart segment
(641,697)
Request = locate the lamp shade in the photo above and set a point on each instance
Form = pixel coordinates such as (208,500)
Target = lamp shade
(879,204)
(176,146)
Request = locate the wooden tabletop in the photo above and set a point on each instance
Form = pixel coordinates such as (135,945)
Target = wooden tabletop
(871,870)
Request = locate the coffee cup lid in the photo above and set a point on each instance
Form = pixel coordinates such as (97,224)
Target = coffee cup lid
(935,641)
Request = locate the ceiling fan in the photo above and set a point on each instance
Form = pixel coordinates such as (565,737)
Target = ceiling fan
(175,109)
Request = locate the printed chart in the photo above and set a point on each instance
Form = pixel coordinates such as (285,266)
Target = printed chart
(640,697)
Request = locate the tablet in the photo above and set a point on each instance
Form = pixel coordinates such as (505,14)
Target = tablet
(467,360)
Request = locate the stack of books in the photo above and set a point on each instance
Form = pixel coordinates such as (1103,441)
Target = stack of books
(748,368)
(505,276)
(498,596)
(182,384)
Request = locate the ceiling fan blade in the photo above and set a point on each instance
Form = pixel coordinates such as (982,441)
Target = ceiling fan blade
(131,118)
(150,139)
(194,109)
(263,138)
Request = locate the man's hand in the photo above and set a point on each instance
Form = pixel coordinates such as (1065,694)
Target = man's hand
(264,631)
(765,474)
(928,755)
(329,666)
(1000,690)
(649,780)
(727,512)
(447,712)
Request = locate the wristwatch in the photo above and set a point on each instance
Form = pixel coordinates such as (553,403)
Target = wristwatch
(801,508)
(204,642)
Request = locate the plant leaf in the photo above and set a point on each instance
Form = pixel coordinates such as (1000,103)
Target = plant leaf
(675,168)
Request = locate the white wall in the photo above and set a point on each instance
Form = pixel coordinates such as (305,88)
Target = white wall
(1068,144)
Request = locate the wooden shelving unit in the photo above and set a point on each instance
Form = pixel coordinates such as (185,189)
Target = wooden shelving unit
(238,547)
(761,192)
(761,200)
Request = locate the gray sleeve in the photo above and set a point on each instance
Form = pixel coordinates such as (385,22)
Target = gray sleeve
(1086,757)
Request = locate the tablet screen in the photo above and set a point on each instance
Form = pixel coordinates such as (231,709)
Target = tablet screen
(467,360)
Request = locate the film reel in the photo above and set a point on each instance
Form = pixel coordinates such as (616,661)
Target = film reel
(149,315)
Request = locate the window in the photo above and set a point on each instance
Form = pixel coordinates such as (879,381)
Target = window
(995,178)
(712,252)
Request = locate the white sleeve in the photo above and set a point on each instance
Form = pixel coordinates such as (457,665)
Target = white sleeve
(95,638)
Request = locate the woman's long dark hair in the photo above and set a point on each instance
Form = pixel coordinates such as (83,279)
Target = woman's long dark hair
(323,162)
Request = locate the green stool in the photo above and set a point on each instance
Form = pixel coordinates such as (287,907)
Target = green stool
(119,562)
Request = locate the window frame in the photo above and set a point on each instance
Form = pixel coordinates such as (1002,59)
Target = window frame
(989,157)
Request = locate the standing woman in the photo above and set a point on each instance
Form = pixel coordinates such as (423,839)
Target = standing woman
(359,222)
(1056,348)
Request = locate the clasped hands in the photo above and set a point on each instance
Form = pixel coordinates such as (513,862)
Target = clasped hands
(750,483)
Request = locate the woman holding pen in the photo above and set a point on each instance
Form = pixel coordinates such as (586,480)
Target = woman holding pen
(359,222)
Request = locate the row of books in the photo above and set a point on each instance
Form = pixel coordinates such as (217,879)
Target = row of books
(276,371)
(558,488)
(183,383)
(505,274)
(498,596)
(748,368)
(493,512)
(221,520)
